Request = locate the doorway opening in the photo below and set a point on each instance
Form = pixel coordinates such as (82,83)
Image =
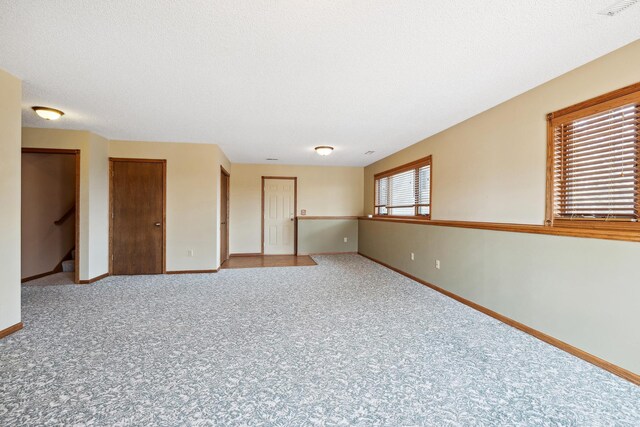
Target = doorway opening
(137,213)
(50,230)
(225,180)
(279,208)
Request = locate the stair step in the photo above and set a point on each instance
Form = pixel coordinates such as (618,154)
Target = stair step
(68,265)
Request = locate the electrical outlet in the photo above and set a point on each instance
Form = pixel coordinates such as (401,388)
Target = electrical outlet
(413,256)
(345,240)
(189,252)
(438,264)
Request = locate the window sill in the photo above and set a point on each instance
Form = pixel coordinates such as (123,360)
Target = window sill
(631,235)
(596,224)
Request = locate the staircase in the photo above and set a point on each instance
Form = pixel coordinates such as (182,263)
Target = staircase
(69,265)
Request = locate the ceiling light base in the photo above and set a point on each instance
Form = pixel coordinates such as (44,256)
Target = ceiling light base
(47,113)
(324,150)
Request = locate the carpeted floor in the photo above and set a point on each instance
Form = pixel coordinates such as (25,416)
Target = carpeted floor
(346,342)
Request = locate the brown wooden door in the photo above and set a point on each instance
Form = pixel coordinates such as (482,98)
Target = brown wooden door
(224,216)
(137,220)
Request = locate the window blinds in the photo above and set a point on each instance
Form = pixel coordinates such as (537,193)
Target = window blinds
(595,165)
(405,191)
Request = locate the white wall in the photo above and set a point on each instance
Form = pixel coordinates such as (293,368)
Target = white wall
(193,184)
(322,191)
(10,155)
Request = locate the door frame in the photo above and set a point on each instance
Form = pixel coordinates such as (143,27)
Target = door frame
(112,160)
(76,153)
(295,212)
(223,171)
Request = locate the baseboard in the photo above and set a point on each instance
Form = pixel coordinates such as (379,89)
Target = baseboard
(245,254)
(11,329)
(601,363)
(38,276)
(95,279)
(192,271)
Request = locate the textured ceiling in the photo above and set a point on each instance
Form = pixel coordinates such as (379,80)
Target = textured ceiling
(276,78)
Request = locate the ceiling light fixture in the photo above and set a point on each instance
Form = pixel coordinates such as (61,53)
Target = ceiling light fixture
(324,150)
(617,7)
(48,113)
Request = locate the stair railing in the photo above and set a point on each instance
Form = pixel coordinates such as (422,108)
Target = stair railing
(66,215)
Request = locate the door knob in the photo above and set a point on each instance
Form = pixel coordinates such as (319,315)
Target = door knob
(157,224)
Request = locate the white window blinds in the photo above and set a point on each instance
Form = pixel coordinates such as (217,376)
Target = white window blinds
(404,191)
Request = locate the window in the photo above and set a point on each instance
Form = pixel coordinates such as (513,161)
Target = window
(593,162)
(405,190)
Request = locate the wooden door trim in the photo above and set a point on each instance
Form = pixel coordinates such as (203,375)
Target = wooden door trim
(228,175)
(295,212)
(77,154)
(136,160)
(112,160)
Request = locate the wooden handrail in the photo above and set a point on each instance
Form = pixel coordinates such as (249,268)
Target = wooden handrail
(66,215)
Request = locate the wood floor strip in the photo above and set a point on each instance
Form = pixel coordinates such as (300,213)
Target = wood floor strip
(269,261)
(245,254)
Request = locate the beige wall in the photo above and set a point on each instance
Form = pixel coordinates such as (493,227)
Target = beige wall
(193,183)
(94,195)
(322,191)
(48,192)
(10,110)
(492,166)
(326,236)
(99,205)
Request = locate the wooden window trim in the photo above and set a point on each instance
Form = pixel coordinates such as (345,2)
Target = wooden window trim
(414,165)
(589,227)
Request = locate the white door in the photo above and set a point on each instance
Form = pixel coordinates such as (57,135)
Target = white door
(279,216)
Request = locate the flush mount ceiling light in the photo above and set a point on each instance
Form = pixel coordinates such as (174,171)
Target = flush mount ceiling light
(324,150)
(617,7)
(48,113)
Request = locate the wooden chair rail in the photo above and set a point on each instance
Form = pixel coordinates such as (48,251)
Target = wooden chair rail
(583,231)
